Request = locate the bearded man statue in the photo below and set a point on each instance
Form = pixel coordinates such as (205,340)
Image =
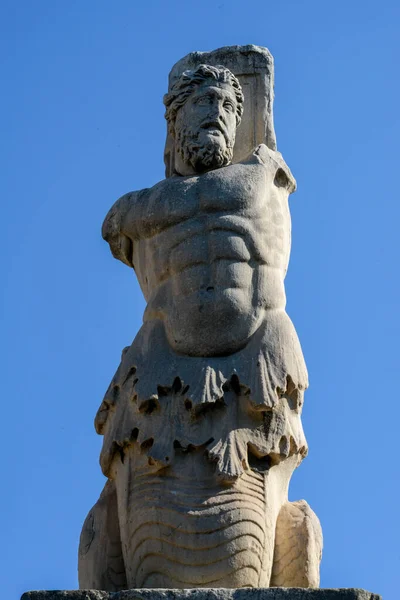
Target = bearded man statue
(202,420)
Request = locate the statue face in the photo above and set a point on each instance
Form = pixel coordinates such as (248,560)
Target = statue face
(205,127)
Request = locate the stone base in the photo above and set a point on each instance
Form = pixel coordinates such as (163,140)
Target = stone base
(208,594)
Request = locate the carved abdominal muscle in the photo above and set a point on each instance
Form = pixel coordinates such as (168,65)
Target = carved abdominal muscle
(201,423)
(209,249)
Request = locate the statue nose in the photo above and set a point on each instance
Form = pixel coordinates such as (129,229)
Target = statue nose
(217,113)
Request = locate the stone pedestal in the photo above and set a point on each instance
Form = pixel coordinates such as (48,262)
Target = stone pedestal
(207,594)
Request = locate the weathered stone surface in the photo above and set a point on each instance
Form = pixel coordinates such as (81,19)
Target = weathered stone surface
(66,595)
(209,594)
(254,68)
(202,420)
(297,536)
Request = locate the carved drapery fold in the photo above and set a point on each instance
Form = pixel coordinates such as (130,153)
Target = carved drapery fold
(248,401)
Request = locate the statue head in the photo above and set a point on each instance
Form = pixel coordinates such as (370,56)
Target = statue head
(203,109)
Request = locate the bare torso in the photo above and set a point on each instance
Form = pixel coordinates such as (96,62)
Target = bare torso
(211,252)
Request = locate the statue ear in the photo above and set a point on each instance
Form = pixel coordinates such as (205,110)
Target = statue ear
(284,178)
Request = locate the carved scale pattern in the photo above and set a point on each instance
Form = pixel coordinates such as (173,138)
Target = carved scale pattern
(184,533)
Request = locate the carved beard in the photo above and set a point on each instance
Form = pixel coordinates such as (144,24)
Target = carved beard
(202,150)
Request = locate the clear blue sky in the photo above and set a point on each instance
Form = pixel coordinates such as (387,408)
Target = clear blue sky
(82,123)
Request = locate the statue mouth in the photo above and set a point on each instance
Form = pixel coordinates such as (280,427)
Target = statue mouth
(213,127)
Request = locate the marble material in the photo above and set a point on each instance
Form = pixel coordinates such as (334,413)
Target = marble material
(202,420)
(254,68)
(209,594)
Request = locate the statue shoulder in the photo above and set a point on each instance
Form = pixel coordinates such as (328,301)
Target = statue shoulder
(273,160)
(118,222)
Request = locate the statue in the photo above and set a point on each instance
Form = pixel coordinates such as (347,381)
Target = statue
(202,420)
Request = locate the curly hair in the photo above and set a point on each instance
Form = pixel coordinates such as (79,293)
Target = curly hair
(187,83)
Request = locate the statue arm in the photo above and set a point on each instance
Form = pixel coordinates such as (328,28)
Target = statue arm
(119,227)
(272,159)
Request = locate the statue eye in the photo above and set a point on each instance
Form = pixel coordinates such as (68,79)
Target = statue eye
(229,106)
(203,101)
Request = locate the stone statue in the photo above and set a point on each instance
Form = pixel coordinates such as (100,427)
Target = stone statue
(202,420)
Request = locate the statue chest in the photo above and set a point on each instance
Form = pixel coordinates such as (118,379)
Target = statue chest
(237,190)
